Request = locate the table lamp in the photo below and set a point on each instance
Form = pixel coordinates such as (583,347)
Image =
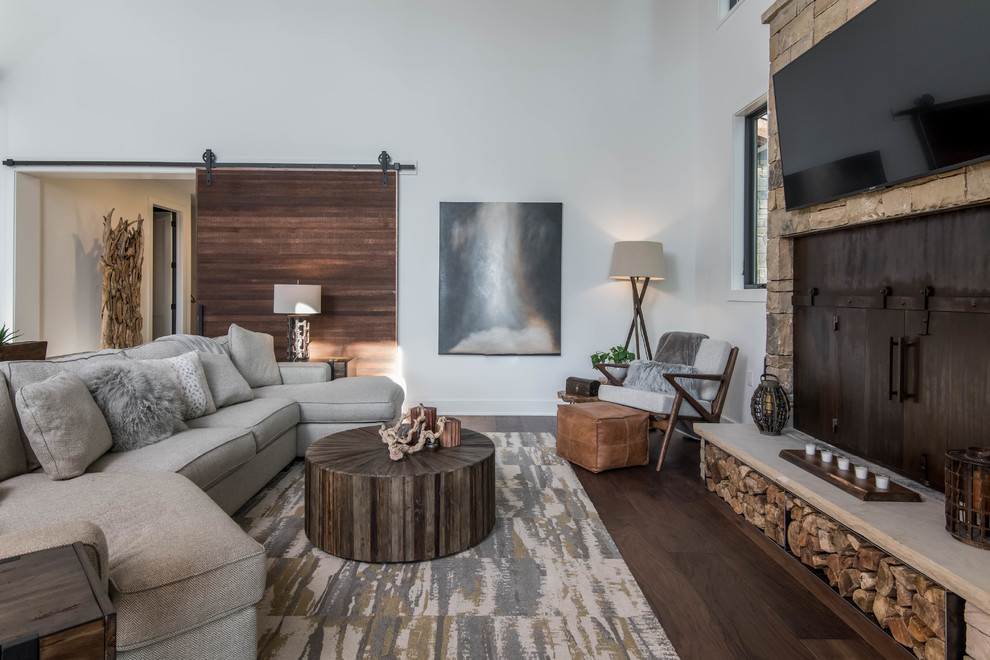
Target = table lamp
(298,301)
(638,260)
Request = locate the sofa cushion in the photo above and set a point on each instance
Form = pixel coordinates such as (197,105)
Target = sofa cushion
(713,355)
(253,353)
(176,559)
(140,399)
(227,385)
(63,424)
(12,458)
(266,419)
(196,398)
(155,350)
(364,399)
(204,456)
(656,402)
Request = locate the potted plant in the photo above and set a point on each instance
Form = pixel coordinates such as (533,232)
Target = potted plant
(614,363)
(19,350)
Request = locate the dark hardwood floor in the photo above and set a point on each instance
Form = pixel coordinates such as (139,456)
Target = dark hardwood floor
(718,586)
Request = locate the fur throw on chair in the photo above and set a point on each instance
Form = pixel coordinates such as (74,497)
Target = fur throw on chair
(648,375)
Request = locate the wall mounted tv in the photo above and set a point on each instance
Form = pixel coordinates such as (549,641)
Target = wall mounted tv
(899,92)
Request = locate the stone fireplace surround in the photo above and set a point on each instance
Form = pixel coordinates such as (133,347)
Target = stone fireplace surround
(911,533)
(795,26)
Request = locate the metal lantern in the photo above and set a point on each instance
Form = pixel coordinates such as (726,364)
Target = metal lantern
(967,495)
(770,405)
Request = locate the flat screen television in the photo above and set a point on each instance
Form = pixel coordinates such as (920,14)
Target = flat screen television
(900,91)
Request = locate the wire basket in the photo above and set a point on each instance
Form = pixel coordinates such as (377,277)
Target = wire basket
(967,495)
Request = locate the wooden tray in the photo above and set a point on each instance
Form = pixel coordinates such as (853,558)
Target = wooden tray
(864,489)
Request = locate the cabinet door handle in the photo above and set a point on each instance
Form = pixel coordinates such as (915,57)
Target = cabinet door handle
(901,371)
(891,392)
(906,345)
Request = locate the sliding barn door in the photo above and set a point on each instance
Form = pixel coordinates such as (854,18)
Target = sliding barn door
(258,228)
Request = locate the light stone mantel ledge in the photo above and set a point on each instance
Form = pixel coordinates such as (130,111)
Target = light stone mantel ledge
(914,532)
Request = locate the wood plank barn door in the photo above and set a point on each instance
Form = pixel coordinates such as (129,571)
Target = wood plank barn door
(258,228)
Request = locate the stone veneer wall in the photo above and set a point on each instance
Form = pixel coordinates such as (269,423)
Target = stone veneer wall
(796,26)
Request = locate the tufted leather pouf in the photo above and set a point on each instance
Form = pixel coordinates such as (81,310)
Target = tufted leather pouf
(601,436)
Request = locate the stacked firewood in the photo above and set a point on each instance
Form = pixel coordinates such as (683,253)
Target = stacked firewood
(122,261)
(906,603)
(749,493)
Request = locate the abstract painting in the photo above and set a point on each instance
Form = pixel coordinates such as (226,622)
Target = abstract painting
(500,278)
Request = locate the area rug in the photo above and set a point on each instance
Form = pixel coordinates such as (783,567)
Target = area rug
(548,582)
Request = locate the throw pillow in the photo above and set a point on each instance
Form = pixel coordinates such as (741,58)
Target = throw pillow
(195,389)
(226,383)
(648,375)
(141,400)
(63,424)
(253,353)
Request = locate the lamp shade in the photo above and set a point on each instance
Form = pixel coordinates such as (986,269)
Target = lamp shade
(637,259)
(297,299)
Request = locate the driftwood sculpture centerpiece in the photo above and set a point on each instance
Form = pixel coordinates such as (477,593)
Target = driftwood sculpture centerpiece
(413,432)
(122,261)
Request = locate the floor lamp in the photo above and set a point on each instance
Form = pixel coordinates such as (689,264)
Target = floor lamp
(638,261)
(298,301)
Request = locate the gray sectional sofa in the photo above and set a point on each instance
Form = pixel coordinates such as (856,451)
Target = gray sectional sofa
(155,520)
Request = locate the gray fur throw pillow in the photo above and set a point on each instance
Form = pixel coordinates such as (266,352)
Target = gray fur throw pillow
(141,400)
(648,375)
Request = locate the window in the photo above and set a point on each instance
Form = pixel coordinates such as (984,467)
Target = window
(726,6)
(755,208)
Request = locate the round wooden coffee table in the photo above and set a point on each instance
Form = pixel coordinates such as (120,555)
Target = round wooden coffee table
(360,504)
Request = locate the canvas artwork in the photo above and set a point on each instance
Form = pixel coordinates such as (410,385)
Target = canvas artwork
(500,278)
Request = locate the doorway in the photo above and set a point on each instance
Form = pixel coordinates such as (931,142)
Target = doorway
(164,277)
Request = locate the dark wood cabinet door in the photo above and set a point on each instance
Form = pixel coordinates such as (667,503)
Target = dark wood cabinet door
(949,391)
(842,379)
(883,415)
(815,400)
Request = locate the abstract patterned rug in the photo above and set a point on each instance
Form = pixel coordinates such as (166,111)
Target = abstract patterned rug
(548,582)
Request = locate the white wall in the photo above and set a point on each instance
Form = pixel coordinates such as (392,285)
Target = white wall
(62,264)
(599,105)
(587,103)
(734,71)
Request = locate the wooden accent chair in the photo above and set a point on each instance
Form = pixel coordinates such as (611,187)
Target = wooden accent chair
(715,362)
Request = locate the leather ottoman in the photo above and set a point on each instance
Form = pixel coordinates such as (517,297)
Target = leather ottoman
(601,436)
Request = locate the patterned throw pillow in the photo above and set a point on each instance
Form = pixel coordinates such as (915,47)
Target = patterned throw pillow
(196,396)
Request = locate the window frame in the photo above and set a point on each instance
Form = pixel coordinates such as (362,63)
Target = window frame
(749,198)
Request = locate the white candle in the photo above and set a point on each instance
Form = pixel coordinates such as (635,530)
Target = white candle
(843,463)
(861,472)
(882,482)
(809,448)
(826,456)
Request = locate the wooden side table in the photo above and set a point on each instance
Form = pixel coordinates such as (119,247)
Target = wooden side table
(338,366)
(53,605)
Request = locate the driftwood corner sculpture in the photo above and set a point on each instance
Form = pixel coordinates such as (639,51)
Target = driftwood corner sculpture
(122,261)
